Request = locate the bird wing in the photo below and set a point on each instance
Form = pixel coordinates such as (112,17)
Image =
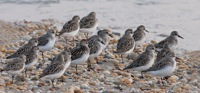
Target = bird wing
(140,61)
(124,45)
(43,40)
(159,65)
(51,69)
(77,52)
(87,22)
(15,64)
(69,27)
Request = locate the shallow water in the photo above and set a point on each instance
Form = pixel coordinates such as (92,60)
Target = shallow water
(159,16)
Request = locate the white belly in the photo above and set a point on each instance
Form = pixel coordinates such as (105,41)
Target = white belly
(55,75)
(67,64)
(48,46)
(90,30)
(81,59)
(145,67)
(96,54)
(31,64)
(130,50)
(140,42)
(16,72)
(73,33)
(167,71)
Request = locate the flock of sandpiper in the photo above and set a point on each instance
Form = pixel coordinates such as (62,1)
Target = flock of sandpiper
(163,64)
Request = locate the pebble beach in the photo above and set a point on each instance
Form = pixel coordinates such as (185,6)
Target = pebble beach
(108,77)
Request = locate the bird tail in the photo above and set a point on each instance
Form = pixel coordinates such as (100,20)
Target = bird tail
(11,56)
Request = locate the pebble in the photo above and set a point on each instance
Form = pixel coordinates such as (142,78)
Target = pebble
(84,86)
(106,73)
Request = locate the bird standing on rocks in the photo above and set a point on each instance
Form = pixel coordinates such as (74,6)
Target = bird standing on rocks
(58,67)
(95,44)
(88,24)
(71,28)
(139,35)
(31,58)
(172,41)
(15,66)
(24,50)
(165,67)
(80,54)
(126,44)
(144,61)
(46,43)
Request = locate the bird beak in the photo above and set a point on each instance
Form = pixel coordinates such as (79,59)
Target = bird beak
(146,30)
(180,36)
(102,42)
(111,35)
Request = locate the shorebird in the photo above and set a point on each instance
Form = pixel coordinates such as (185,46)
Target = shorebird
(58,67)
(24,49)
(80,54)
(95,45)
(139,35)
(15,66)
(71,28)
(165,67)
(105,35)
(172,41)
(46,43)
(161,54)
(88,24)
(126,44)
(144,61)
(31,58)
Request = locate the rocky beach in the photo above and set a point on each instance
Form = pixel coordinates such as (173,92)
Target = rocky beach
(107,77)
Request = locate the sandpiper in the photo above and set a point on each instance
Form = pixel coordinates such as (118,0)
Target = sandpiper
(95,44)
(15,66)
(71,28)
(105,35)
(47,41)
(80,54)
(89,23)
(144,61)
(126,44)
(161,54)
(165,67)
(57,68)
(139,35)
(31,58)
(24,49)
(172,41)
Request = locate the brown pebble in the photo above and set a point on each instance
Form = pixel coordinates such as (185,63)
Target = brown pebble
(78,91)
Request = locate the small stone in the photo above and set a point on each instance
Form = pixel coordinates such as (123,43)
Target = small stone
(106,73)
(59,46)
(78,91)
(127,81)
(183,67)
(93,83)
(173,79)
(3,49)
(114,74)
(153,42)
(84,86)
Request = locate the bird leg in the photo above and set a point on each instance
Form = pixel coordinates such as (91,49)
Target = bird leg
(76,69)
(97,61)
(43,57)
(13,79)
(86,35)
(122,58)
(90,65)
(52,82)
